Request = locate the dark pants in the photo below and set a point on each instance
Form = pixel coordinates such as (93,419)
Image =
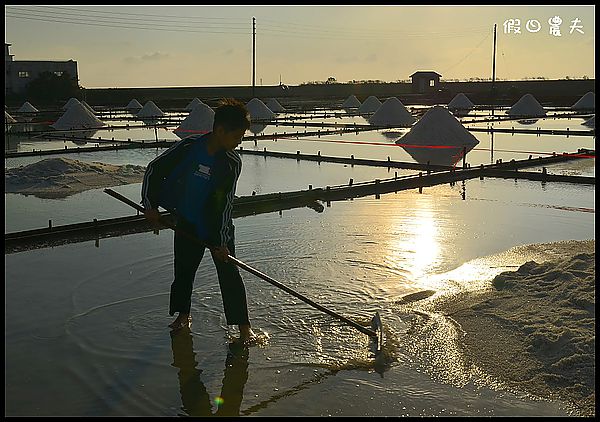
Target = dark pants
(188,255)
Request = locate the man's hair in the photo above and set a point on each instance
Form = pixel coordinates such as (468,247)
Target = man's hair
(231,114)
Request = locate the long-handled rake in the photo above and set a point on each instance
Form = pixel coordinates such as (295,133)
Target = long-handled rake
(375,332)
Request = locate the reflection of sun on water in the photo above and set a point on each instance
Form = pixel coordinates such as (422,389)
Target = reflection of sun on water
(414,240)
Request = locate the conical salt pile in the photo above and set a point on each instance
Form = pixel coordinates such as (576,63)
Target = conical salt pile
(590,122)
(443,133)
(392,113)
(134,105)
(199,121)
(460,102)
(256,128)
(587,102)
(258,110)
(371,105)
(351,102)
(192,104)
(88,107)
(70,103)
(150,110)
(8,118)
(274,106)
(77,117)
(527,106)
(27,108)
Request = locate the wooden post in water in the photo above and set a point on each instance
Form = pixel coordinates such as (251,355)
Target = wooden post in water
(493,96)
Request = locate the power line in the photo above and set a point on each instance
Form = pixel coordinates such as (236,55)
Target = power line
(87,11)
(105,19)
(126,27)
(146,24)
(468,54)
(391,37)
(371,34)
(370,30)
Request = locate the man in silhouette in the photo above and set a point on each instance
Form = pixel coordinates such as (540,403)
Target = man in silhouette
(196,180)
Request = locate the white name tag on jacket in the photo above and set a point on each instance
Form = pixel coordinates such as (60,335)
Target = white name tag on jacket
(203,171)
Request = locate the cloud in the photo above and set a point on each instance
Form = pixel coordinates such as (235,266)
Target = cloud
(146,58)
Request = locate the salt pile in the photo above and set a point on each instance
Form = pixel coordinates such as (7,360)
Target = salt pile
(8,118)
(68,104)
(258,110)
(150,110)
(256,128)
(587,102)
(88,107)
(61,177)
(200,120)
(351,102)
(371,105)
(590,122)
(77,117)
(438,128)
(134,105)
(460,102)
(192,104)
(551,306)
(529,331)
(27,108)
(527,106)
(274,106)
(392,113)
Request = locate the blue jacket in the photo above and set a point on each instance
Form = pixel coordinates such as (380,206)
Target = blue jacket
(195,186)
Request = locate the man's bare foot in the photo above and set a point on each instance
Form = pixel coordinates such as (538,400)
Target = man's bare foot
(183,320)
(246,334)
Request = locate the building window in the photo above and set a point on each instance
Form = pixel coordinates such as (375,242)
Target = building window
(23,74)
(432,82)
(59,73)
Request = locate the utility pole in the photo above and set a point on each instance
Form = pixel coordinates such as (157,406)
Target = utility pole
(494,72)
(253,56)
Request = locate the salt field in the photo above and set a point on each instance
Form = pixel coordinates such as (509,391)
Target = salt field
(430,262)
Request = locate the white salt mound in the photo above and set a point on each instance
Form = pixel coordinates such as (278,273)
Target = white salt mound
(274,106)
(371,105)
(77,117)
(150,110)
(8,118)
(591,122)
(587,102)
(200,120)
(256,128)
(392,113)
(460,102)
(133,105)
(535,330)
(69,103)
(192,104)
(88,107)
(438,138)
(351,102)
(61,177)
(27,108)
(439,127)
(258,110)
(527,106)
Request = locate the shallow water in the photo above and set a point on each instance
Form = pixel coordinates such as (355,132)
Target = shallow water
(98,330)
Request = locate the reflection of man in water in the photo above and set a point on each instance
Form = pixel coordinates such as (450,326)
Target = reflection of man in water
(195,398)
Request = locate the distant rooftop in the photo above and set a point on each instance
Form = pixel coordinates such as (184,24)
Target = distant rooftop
(425,73)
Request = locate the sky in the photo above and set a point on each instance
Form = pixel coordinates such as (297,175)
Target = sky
(183,45)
